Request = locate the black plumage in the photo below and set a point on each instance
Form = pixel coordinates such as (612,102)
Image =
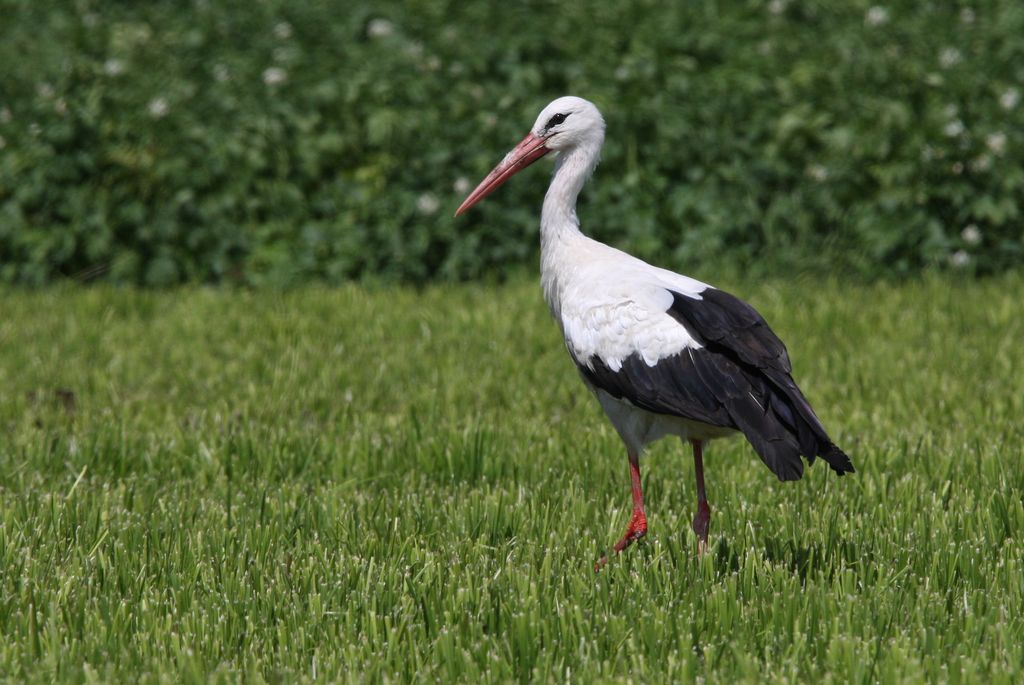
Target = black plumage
(739,379)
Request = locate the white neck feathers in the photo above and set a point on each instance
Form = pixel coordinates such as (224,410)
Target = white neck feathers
(559,226)
(572,169)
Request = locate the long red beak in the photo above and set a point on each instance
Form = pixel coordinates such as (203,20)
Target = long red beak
(529,150)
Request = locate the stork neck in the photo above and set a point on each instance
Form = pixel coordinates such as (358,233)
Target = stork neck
(572,169)
(559,226)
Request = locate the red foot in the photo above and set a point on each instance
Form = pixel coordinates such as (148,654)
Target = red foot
(701,523)
(637,529)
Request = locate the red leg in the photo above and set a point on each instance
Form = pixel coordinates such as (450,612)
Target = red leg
(703,518)
(637,527)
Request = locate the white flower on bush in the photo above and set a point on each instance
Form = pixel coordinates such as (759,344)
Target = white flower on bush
(283,30)
(818,172)
(45,90)
(113,67)
(5,115)
(967,15)
(777,7)
(3,143)
(274,76)
(221,73)
(954,128)
(876,16)
(461,185)
(158,108)
(957,168)
(971,234)
(981,163)
(380,28)
(622,73)
(427,204)
(959,259)
(949,57)
(996,142)
(1010,98)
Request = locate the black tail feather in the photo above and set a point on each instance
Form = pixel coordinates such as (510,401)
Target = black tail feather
(804,435)
(837,459)
(794,411)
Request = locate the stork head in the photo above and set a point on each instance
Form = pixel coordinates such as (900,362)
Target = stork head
(563,125)
(567,122)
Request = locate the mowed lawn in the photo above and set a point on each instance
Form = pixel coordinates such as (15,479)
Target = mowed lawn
(380,484)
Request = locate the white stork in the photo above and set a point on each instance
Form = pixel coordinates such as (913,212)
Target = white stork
(665,354)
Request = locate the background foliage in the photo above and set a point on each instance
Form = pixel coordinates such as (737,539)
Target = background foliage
(273,142)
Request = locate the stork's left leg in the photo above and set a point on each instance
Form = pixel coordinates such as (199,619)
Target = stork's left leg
(638,523)
(702,520)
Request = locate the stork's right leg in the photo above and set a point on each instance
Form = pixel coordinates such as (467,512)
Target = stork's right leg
(637,527)
(702,521)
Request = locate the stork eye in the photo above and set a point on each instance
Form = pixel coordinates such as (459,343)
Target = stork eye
(556,120)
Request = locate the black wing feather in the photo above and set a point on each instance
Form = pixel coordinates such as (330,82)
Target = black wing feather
(672,386)
(740,379)
(730,328)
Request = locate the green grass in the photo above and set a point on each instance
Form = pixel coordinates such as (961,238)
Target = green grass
(391,485)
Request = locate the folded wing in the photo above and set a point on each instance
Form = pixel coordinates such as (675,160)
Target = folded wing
(733,373)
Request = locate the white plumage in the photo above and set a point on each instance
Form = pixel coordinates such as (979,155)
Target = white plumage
(664,353)
(614,306)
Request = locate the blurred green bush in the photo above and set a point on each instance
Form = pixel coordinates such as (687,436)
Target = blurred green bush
(273,142)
